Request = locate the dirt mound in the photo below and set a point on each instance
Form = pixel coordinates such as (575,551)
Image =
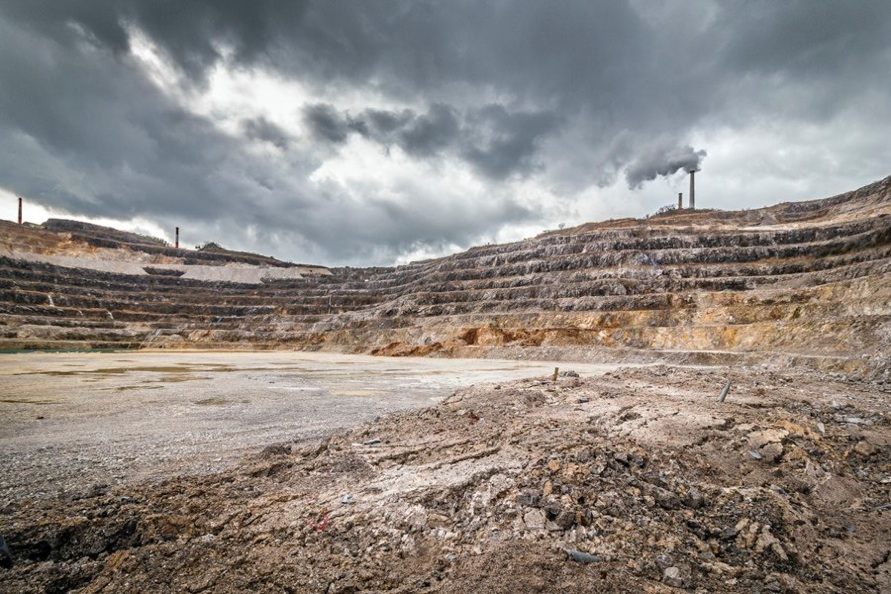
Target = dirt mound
(637,481)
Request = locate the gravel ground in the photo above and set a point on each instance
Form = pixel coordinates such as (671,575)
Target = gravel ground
(74,422)
(637,480)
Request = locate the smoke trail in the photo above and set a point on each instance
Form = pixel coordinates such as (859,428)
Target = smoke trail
(662,161)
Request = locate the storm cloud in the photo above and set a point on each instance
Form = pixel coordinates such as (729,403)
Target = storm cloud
(495,141)
(259,128)
(370,132)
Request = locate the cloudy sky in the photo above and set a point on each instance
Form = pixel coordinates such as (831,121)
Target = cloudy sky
(374,132)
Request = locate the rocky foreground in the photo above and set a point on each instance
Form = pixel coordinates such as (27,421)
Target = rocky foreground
(637,481)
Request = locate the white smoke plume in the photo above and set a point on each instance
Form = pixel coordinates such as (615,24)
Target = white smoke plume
(662,161)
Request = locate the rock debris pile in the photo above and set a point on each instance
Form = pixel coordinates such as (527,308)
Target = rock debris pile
(637,481)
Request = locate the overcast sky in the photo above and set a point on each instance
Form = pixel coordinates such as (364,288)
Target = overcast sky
(372,132)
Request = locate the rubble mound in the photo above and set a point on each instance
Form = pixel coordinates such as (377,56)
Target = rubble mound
(636,481)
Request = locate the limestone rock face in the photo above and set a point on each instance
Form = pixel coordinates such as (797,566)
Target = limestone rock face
(804,282)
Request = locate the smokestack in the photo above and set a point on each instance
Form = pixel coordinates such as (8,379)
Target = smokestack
(20,210)
(177,238)
(680,200)
(693,189)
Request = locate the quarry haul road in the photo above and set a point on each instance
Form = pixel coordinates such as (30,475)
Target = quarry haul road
(76,422)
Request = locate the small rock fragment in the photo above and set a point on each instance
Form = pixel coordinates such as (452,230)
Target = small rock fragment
(864,448)
(547,489)
(664,561)
(765,540)
(527,498)
(772,451)
(778,550)
(565,519)
(729,533)
(759,439)
(534,519)
(672,577)
(694,498)
(582,557)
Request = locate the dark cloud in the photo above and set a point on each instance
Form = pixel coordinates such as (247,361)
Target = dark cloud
(567,96)
(503,142)
(492,139)
(419,134)
(810,39)
(99,140)
(382,123)
(327,123)
(429,133)
(259,128)
(192,32)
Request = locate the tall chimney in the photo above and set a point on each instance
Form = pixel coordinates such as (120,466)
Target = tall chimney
(680,200)
(177,238)
(20,210)
(692,189)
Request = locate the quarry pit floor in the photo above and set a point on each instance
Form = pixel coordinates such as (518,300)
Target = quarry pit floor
(296,472)
(75,422)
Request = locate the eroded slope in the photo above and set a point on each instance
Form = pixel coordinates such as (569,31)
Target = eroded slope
(797,282)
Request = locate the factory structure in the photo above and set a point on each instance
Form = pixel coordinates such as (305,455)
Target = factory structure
(692,203)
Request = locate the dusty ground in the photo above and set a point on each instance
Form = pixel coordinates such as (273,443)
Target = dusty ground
(71,422)
(634,481)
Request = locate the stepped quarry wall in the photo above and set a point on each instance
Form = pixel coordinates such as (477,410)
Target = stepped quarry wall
(796,282)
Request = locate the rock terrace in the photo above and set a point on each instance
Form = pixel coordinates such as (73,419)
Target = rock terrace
(798,282)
